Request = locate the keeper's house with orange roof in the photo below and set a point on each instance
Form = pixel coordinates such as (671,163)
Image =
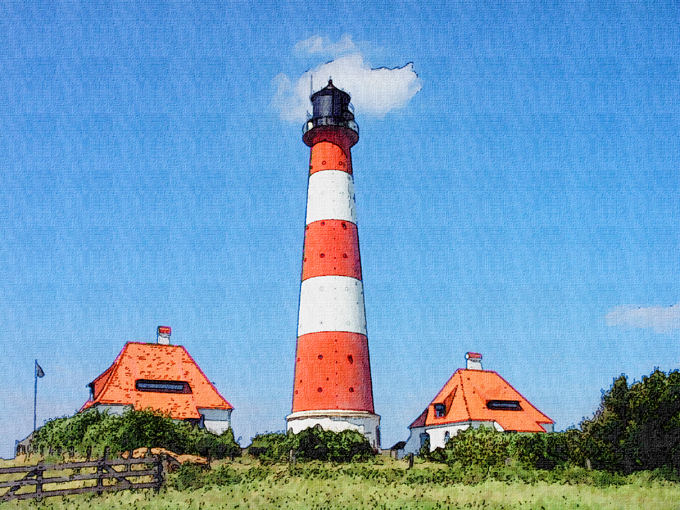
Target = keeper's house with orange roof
(473,397)
(161,377)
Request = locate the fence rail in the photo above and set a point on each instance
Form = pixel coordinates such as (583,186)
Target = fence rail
(122,478)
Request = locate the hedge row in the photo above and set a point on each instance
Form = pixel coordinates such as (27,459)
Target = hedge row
(191,476)
(486,448)
(312,444)
(134,429)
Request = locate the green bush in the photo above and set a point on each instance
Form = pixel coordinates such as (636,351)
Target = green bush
(312,444)
(193,476)
(636,427)
(131,430)
(482,447)
(485,448)
(425,448)
(270,447)
(318,444)
(189,476)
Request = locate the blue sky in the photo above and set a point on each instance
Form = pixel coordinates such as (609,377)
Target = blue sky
(523,203)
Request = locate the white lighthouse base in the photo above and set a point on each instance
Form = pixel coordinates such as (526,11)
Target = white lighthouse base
(336,420)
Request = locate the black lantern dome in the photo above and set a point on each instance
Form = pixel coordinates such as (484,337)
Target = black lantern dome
(331,108)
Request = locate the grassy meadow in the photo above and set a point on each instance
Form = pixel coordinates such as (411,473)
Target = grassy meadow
(382,483)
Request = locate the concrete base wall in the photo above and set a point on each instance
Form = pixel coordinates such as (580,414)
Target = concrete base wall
(366,423)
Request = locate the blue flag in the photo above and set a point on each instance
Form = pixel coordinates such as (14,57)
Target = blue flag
(38,370)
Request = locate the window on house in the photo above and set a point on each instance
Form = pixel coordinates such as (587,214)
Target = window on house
(162,386)
(447,436)
(424,437)
(439,410)
(504,405)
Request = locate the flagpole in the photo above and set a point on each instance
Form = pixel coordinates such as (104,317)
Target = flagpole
(35,392)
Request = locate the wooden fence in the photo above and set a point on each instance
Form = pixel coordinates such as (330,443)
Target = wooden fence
(106,477)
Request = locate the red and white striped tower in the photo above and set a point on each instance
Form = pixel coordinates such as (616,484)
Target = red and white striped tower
(332,386)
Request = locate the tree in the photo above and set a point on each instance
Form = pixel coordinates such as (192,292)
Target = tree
(636,427)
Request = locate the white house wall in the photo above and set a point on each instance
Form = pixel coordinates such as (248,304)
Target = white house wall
(413,443)
(216,421)
(437,434)
(112,409)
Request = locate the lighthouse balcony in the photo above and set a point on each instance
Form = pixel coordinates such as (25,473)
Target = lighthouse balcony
(329,121)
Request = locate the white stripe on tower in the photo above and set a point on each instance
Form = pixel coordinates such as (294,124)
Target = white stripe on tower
(331,196)
(331,303)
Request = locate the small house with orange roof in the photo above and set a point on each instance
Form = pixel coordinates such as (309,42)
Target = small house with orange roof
(161,377)
(474,397)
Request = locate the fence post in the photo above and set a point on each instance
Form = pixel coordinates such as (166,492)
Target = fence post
(410,460)
(128,466)
(158,478)
(39,469)
(100,470)
(88,453)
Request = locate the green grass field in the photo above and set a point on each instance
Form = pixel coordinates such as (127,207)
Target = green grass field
(384,483)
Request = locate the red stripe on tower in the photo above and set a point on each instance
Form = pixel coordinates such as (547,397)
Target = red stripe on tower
(332,385)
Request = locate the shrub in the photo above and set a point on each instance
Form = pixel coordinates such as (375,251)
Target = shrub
(270,447)
(189,476)
(636,427)
(425,448)
(133,429)
(66,432)
(312,444)
(318,444)
(541,451)
(483,447)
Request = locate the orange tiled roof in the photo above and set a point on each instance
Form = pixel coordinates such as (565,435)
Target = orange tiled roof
(116,385)
(465,396)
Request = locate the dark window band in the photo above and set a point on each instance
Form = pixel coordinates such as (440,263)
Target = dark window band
(162,386)
(504,405)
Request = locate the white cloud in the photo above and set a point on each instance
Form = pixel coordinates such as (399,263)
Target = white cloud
(662,319)
(374,91)
(323,46)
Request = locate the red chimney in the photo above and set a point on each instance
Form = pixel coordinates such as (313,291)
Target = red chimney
(163,335)
(474,361)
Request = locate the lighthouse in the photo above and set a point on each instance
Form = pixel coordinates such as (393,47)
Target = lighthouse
(332,386)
